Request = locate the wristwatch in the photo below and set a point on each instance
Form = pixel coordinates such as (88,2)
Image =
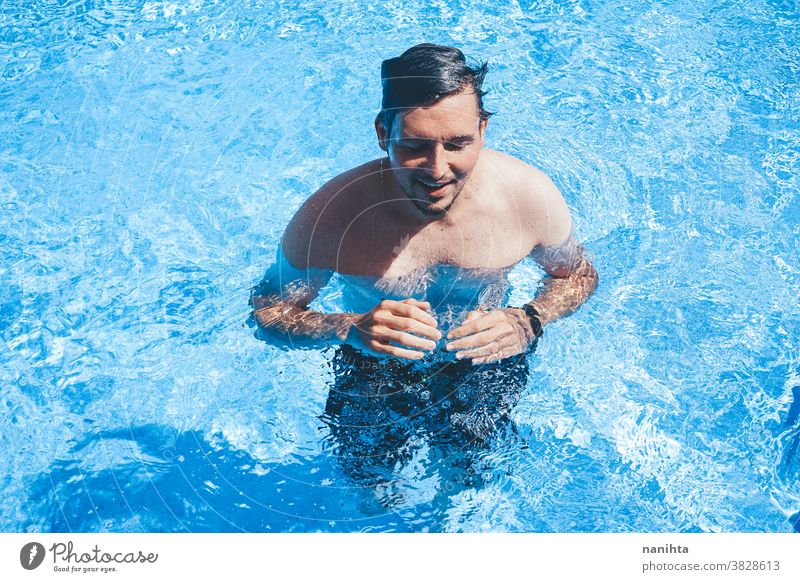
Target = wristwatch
(536,319)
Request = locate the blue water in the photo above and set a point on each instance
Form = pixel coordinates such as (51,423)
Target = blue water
(152,153)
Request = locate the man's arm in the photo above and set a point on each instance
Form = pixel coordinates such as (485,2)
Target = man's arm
(303,266)
(571,276)
(300,270)
(280,303)
(274,312)
(486,337)
(571,280)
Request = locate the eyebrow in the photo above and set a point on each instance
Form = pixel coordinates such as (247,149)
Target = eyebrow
(458,138)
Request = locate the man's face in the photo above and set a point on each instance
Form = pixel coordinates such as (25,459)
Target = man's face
(434,149)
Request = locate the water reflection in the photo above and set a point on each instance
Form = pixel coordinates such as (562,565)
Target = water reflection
(404,441)
(156,479)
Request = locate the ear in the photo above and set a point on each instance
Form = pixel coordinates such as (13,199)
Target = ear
(380,130)
(482,129)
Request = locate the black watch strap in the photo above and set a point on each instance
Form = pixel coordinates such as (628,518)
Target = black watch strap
(536,319)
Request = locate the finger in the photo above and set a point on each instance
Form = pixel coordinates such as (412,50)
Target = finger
(486,360)
(475,321)
(386,335)
(411,326)
(476,340)
(508,345)
(495,357)
(473,315)
(492,352)
(479,352)
(424,305)
(412,312)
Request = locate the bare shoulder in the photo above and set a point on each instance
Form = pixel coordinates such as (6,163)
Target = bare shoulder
(534,196)
(312,236)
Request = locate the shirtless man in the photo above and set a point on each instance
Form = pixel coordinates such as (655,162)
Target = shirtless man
(438,197)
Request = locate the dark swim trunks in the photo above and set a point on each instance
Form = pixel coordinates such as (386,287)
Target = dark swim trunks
(453,399)
(380,411)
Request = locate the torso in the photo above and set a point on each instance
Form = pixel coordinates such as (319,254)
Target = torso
(486,230)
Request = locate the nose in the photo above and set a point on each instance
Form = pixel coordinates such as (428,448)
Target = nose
(436,162)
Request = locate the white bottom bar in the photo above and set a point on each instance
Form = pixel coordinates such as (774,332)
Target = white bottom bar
(401,557)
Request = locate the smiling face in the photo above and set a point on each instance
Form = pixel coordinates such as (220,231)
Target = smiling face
(433,150)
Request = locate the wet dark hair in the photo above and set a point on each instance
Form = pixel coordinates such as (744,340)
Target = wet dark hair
(423,75)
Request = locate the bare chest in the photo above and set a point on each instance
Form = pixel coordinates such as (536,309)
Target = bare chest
(395,251)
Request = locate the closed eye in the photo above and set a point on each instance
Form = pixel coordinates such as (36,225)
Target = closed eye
(420,145)
(413,147)
(454,147)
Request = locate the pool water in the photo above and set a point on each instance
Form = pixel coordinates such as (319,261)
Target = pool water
(151,154)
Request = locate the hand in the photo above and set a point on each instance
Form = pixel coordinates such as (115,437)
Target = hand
(489,336)
(391,327)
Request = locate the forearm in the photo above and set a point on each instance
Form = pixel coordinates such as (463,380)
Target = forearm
(560,297)
(281,316)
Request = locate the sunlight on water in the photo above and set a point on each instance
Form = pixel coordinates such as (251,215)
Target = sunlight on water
(152,153)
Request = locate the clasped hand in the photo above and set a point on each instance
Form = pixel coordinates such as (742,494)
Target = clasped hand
(406,329)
